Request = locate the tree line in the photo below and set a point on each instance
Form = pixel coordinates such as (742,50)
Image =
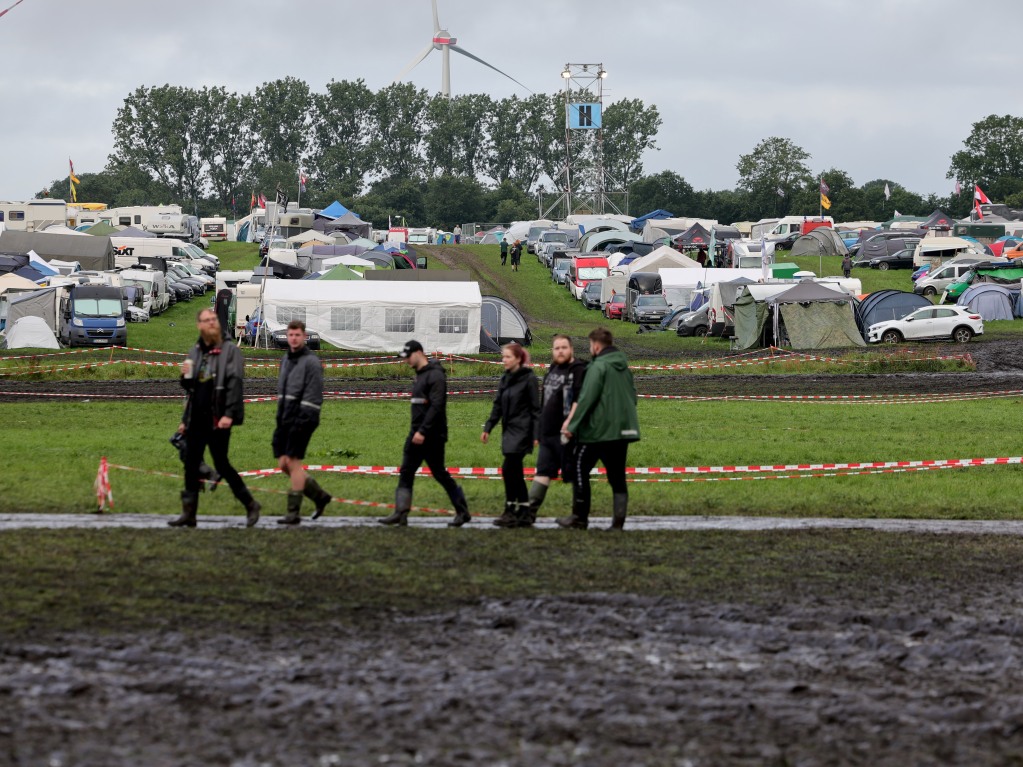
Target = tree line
(401,152)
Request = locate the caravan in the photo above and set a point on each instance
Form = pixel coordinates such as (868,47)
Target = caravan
(779,227)
(32,215)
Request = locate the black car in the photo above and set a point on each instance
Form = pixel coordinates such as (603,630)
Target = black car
(591,294)
(786,242)
(312,339)
(901,259)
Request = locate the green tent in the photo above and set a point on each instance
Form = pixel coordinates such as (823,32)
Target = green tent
(102,229)
(340,272)
(807,315)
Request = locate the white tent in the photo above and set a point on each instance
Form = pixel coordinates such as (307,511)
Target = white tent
(680,284)
(30,333)
(379,316)
(348,261)
(663,258)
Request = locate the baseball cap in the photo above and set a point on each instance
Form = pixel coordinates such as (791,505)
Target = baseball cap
(409,348)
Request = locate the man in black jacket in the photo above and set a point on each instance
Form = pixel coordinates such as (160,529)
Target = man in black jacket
(212,374)
(426,438)
(299,399)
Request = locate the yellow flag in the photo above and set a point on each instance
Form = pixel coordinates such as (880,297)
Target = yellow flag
(825,202)
(74,192)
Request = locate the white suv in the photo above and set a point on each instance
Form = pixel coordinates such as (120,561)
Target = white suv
(928,323)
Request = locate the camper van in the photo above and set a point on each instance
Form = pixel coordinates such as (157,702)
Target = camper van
(213,229)
(421,235)
(779,227)
(129,250)
(92,315)
(33,215)
(937,280)
(938,250)
(156,298)
(584,269)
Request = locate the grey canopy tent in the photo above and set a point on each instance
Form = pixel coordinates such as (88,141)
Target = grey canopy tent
(989,300)
(94,253)
(822,241)
(30,333)
(503,322)
(805,316)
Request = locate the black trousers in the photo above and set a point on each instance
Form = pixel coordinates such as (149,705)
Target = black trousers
(614,456)
(515,490)
(197,439)
(431,451)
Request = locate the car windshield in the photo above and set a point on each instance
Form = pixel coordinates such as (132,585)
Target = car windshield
(144,284)
(555,238)
(593,287)
(593,273)
(651,301)
(97,307)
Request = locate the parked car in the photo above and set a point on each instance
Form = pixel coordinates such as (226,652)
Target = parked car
(785,242)
(900,259)
(591,294)
(615,306)
(695,323)
(280,339)
(649,309)
(929,323)
(923,271)
(559,272)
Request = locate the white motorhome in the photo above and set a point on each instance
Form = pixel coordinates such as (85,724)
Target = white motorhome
(938,250)
(154,287)
(128,251)
(214,228)
(779,227)
(33,215)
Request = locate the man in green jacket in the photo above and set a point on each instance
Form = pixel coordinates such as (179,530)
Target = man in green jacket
(604,421)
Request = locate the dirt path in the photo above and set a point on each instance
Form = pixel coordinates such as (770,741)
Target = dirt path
(592,680)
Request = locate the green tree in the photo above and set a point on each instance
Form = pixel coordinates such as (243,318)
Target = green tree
(456,140)
(992,157)
(630,128)
(772,174)
(280,121)
(160,131)
(393,197)
(666,190)
(342,130)
(451,200)
(399,113)
(226,151)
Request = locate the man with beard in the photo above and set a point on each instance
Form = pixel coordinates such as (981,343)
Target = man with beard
(212,375)
(561,387)
(299,399)
(426,438)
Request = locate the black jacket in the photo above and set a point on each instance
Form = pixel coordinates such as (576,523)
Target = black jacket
(228,369)
(517,407)
(429,402)
(300,389)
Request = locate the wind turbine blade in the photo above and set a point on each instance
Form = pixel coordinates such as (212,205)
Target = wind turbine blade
(5,10)
(481,61)
(436,18)
(418,59)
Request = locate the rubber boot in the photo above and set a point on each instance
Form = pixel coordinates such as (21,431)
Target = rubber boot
(402,504)
(510,517)
(537,492)
(294,515)
(317,495)
(252,508)
(461,509)
(621,509)
(189,505)
(579,520)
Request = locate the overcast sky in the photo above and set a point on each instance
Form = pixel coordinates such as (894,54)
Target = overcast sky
(877,88)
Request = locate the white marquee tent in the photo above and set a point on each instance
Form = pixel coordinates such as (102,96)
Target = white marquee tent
(380,316)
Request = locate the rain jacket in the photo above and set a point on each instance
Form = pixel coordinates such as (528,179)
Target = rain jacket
(228,375)
(300,390)
(517,407)
(429,402)
(607,403)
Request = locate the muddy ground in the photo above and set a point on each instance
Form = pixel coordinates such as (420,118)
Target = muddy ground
(909,677)
(593,680)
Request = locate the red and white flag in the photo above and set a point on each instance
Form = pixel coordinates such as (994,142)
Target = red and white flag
(979,196)
(959,188)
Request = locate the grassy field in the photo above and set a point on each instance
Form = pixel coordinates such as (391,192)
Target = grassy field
(134,434)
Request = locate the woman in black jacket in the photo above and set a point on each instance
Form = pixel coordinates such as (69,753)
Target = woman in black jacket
(517,407)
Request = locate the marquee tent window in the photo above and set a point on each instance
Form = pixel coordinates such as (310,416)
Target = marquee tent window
(345,318)
(400,320)
(454,321)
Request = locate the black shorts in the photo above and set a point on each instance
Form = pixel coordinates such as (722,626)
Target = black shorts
(555,458)
(291,441)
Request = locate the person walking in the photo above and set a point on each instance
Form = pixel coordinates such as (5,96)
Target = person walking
(299,400)
(605,421)
(561,387)
(846,265)
(458,235)
(517,409)
(504,251)
(516,255)
(212,375)
(426,438)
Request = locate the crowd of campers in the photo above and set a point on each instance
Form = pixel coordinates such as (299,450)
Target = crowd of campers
(84,273)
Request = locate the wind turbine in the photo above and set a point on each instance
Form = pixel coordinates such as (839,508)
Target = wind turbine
(445,43)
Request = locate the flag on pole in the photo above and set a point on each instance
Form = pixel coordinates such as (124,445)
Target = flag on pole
(825,189)
(979,198)
(959,188)
(302,178)
(887,191)
(780,191)
(897,214)
(252,201)
(72,180)
(261,200)
(825,202)
(281,198)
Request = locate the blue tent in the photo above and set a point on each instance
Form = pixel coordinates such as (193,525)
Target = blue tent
(637,224)
(334,210)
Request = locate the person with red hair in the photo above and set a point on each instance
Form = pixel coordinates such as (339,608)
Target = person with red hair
(517,408)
